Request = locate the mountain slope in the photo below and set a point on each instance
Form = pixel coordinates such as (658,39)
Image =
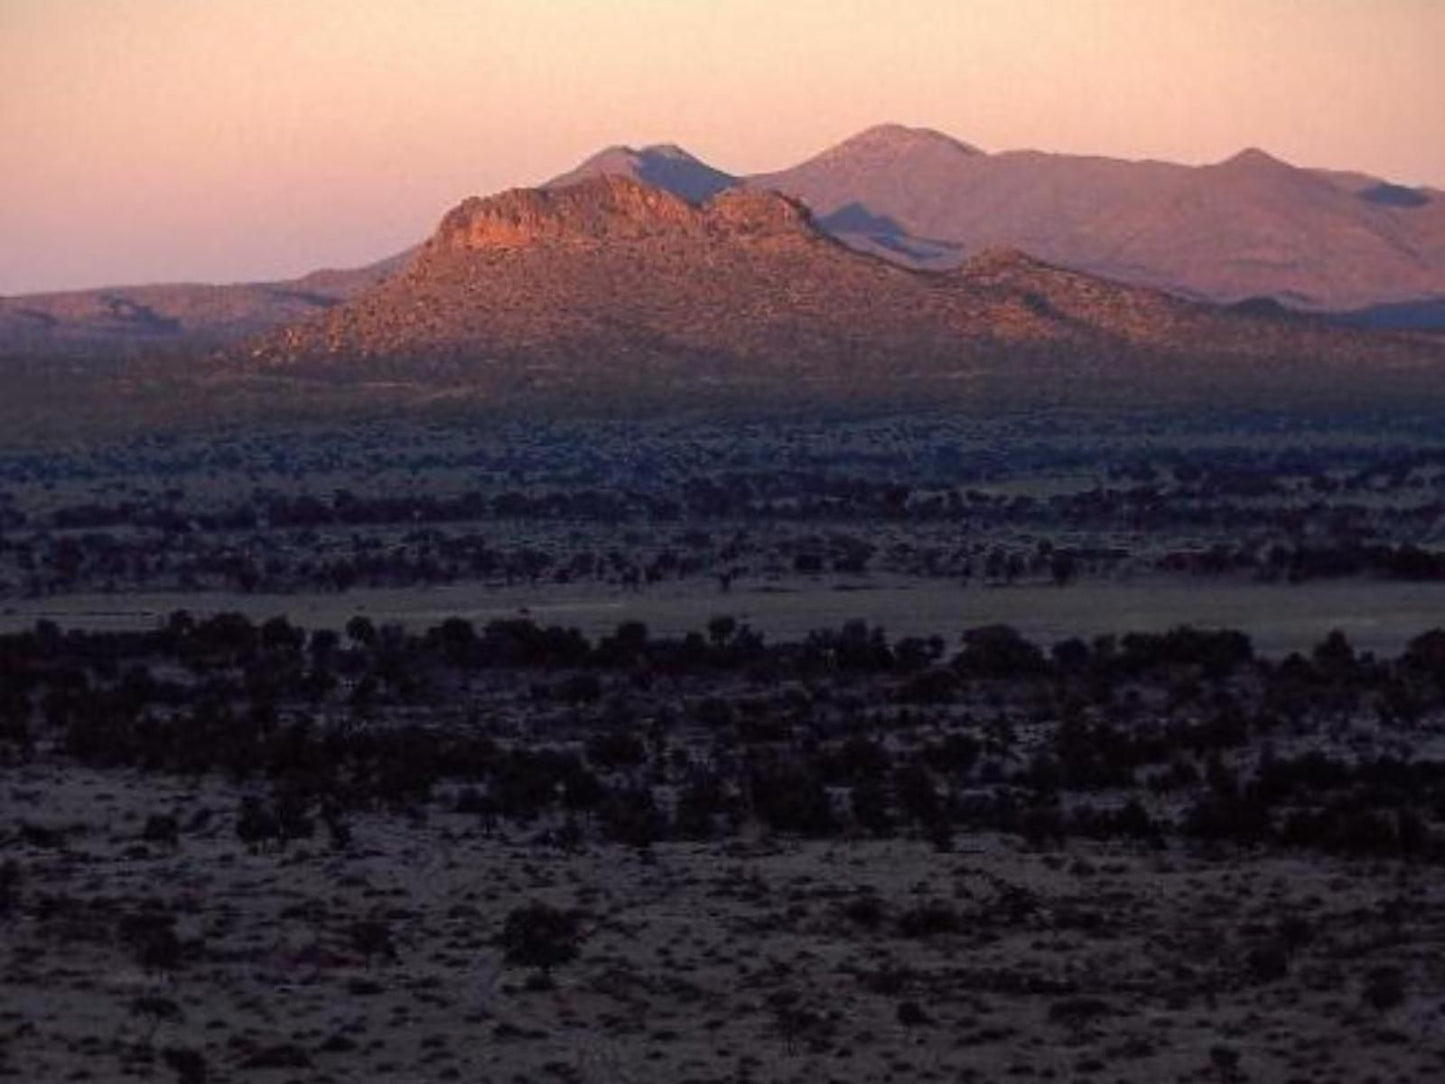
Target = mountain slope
(611,284)
(176,316)
(1249,226)
(665,165)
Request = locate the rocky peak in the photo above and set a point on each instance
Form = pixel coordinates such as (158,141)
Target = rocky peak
(622,152)
(888,141)
(1253,159)
(662,165)
(603,207)
(618,159)
(667,150)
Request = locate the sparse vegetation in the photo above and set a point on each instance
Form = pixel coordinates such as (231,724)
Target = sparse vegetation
(252,844)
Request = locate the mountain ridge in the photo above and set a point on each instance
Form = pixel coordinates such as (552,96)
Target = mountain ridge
(1250,225)
(175,317)
(1227,231)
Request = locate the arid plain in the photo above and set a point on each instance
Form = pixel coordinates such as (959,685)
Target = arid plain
(675,626)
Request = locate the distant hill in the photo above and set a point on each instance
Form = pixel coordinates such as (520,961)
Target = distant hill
(173,317)
(609,286)
(1246,227)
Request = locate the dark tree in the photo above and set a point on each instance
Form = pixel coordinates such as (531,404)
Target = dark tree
(538,935)
(189,1065)
(162,828)
(10,881)
(372,939)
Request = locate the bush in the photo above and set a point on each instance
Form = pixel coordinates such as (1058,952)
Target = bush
(1267,963)
(189,1065)
(865,911)
(1078,1013)
(928,920)
(998,651)
(10,881)
(161,828)
(616,749)
(372,939)
(911,1015)
(1384,988)
(538,935)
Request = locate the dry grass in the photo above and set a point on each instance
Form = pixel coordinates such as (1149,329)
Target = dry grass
(744,960)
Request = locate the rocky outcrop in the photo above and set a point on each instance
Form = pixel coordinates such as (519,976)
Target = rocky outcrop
(610,209)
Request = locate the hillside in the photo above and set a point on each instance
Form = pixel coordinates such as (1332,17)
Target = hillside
(173,317)
(609,284)
(1249,226)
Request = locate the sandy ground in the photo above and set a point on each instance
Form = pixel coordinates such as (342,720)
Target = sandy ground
(730,961)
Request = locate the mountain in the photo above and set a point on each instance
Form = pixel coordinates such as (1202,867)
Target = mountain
(611,286)
(132,321)
(175,317)
(664,165)
(1245,227)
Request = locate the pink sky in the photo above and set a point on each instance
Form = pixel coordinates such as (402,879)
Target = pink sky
(225,140)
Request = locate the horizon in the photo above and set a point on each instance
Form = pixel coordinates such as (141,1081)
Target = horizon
(160,141)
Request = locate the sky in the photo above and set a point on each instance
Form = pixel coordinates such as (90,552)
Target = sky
(233,140)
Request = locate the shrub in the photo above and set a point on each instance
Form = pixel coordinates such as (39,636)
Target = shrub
(538,935)
(161,828)
(911,1015)
(865,911)
(616,749)
(10,881)
(1384,988)
(372,939)
(1267,963)
(928,920)
(189,1065)
(1225,1062)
